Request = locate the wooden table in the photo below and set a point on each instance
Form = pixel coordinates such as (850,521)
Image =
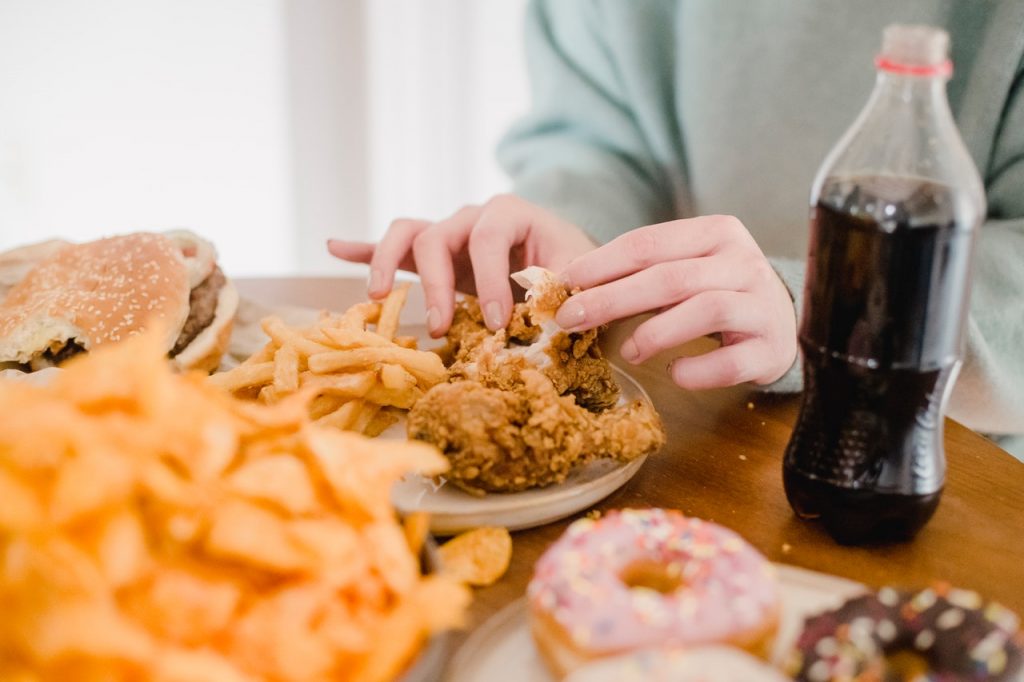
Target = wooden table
(723,463)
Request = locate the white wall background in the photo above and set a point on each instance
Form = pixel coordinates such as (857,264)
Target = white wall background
(266,125)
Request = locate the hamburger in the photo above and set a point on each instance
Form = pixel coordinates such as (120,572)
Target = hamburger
(71,298)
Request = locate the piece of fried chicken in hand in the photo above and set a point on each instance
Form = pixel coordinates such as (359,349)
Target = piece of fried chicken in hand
(529,403)
(572,360)
(528,436)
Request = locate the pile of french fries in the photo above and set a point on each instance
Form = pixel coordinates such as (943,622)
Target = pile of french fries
(356,378)
(154,528)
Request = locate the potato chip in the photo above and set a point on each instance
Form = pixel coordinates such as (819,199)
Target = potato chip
(89,481)
(184,607)
(280,480)
(478,557)
(92,628)
(253,535)
(166,530)
(21,508)
(416,527)
(205,665)
(121,549)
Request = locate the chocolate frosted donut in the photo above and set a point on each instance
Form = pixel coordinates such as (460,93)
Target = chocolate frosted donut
(954,634)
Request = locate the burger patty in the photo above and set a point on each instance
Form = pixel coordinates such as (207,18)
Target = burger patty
(54,358)
(202,306)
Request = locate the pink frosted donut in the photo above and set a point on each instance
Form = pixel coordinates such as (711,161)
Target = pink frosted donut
(639,579)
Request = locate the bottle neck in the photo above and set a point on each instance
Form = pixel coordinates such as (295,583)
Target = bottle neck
(901,91)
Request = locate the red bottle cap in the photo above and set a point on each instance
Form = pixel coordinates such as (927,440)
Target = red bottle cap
(915,51)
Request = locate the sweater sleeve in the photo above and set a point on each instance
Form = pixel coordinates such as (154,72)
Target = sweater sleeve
(989,395)
(580,152)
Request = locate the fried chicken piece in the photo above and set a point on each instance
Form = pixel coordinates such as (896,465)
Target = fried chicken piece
(573,361)
(526,436)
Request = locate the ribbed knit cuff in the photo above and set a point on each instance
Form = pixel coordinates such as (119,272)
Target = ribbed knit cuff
(792,273)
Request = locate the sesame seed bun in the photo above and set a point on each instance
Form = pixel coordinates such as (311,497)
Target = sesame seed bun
(88,295)
(16,263)
(95,293)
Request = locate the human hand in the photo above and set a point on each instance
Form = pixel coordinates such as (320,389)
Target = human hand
(472,251)
(701,276)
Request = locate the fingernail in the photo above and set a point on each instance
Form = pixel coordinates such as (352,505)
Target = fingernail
(570,315)
(433,319)
(565,280)
(629,352)
(492,314)
(373,285)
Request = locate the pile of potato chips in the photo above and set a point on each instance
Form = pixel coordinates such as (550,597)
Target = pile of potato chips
(154,527)
(358,379)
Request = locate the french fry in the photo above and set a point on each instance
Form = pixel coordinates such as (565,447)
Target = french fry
(395,377)
(343,417)
(322,405)
(381,422)
(244,376)
(353,385)
(267,395)
(407,342)
(316,335)
(350,373)
(403,398)
(364,416)
(286,370)
(387,325)
(344,337)
(265,354)
(359,315)
(426,367)
(282,335)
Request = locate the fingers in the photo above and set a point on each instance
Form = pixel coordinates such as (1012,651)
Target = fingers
(646,246)
(353,252)
(657,287)
(705,313)
(726,366)
(390,253)
(503,223)
(433,250)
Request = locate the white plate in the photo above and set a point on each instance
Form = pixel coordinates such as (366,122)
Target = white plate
(502,649)
(453,510)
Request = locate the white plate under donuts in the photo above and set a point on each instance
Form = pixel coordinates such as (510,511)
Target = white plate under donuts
(502,649)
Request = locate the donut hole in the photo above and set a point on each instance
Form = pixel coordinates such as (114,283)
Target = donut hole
(651,575)
(906,664)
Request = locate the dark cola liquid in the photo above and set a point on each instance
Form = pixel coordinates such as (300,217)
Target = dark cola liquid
(887,287)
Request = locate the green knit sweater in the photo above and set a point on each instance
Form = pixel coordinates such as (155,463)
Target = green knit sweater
(648,110)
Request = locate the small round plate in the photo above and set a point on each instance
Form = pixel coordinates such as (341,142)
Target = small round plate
(502,649)
(453,510)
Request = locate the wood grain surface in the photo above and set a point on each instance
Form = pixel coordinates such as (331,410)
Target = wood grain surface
(723,463)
